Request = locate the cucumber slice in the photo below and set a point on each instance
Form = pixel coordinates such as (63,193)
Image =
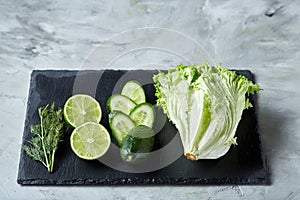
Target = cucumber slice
(134,91)
(120,103)
(120,125)
(143,114)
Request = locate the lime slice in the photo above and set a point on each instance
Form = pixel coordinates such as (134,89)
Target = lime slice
(82,108)
(90,141)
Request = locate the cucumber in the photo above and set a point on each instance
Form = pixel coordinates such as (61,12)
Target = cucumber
(139,141)
(120,125)
(134,91)
(143,114)
(121,103)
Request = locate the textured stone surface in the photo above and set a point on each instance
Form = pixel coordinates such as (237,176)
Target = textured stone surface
(262,36)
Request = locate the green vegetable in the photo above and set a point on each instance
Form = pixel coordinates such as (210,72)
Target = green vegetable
(134,91)
(121,103)
(206,104)
(131,120)
(143,114)
(140,140)
(120,125)
(46,136)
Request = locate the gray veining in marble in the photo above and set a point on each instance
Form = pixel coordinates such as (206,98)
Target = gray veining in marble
(262,36)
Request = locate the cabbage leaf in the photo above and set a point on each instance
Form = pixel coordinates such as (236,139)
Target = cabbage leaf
(206,104)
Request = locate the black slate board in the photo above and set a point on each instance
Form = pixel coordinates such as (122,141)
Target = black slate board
(243,164)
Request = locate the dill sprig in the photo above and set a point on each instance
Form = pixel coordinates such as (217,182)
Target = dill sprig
(46,136)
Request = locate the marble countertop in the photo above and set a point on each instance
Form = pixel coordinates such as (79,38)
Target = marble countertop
(262,36)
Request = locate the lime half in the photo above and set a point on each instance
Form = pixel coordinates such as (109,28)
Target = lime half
(82,108)
(90,141)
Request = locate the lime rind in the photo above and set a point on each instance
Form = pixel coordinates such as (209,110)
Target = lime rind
(90,141)
(82,108)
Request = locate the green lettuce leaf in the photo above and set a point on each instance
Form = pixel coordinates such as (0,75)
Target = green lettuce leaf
(206,104)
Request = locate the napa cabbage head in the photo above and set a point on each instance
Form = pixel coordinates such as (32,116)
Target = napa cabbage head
(206,104)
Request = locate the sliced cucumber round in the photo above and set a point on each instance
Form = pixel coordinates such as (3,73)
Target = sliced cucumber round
(120,125)
(134,91)
(121,103)
(143,114)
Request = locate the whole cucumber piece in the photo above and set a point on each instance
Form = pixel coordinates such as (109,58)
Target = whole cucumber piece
(139,141)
